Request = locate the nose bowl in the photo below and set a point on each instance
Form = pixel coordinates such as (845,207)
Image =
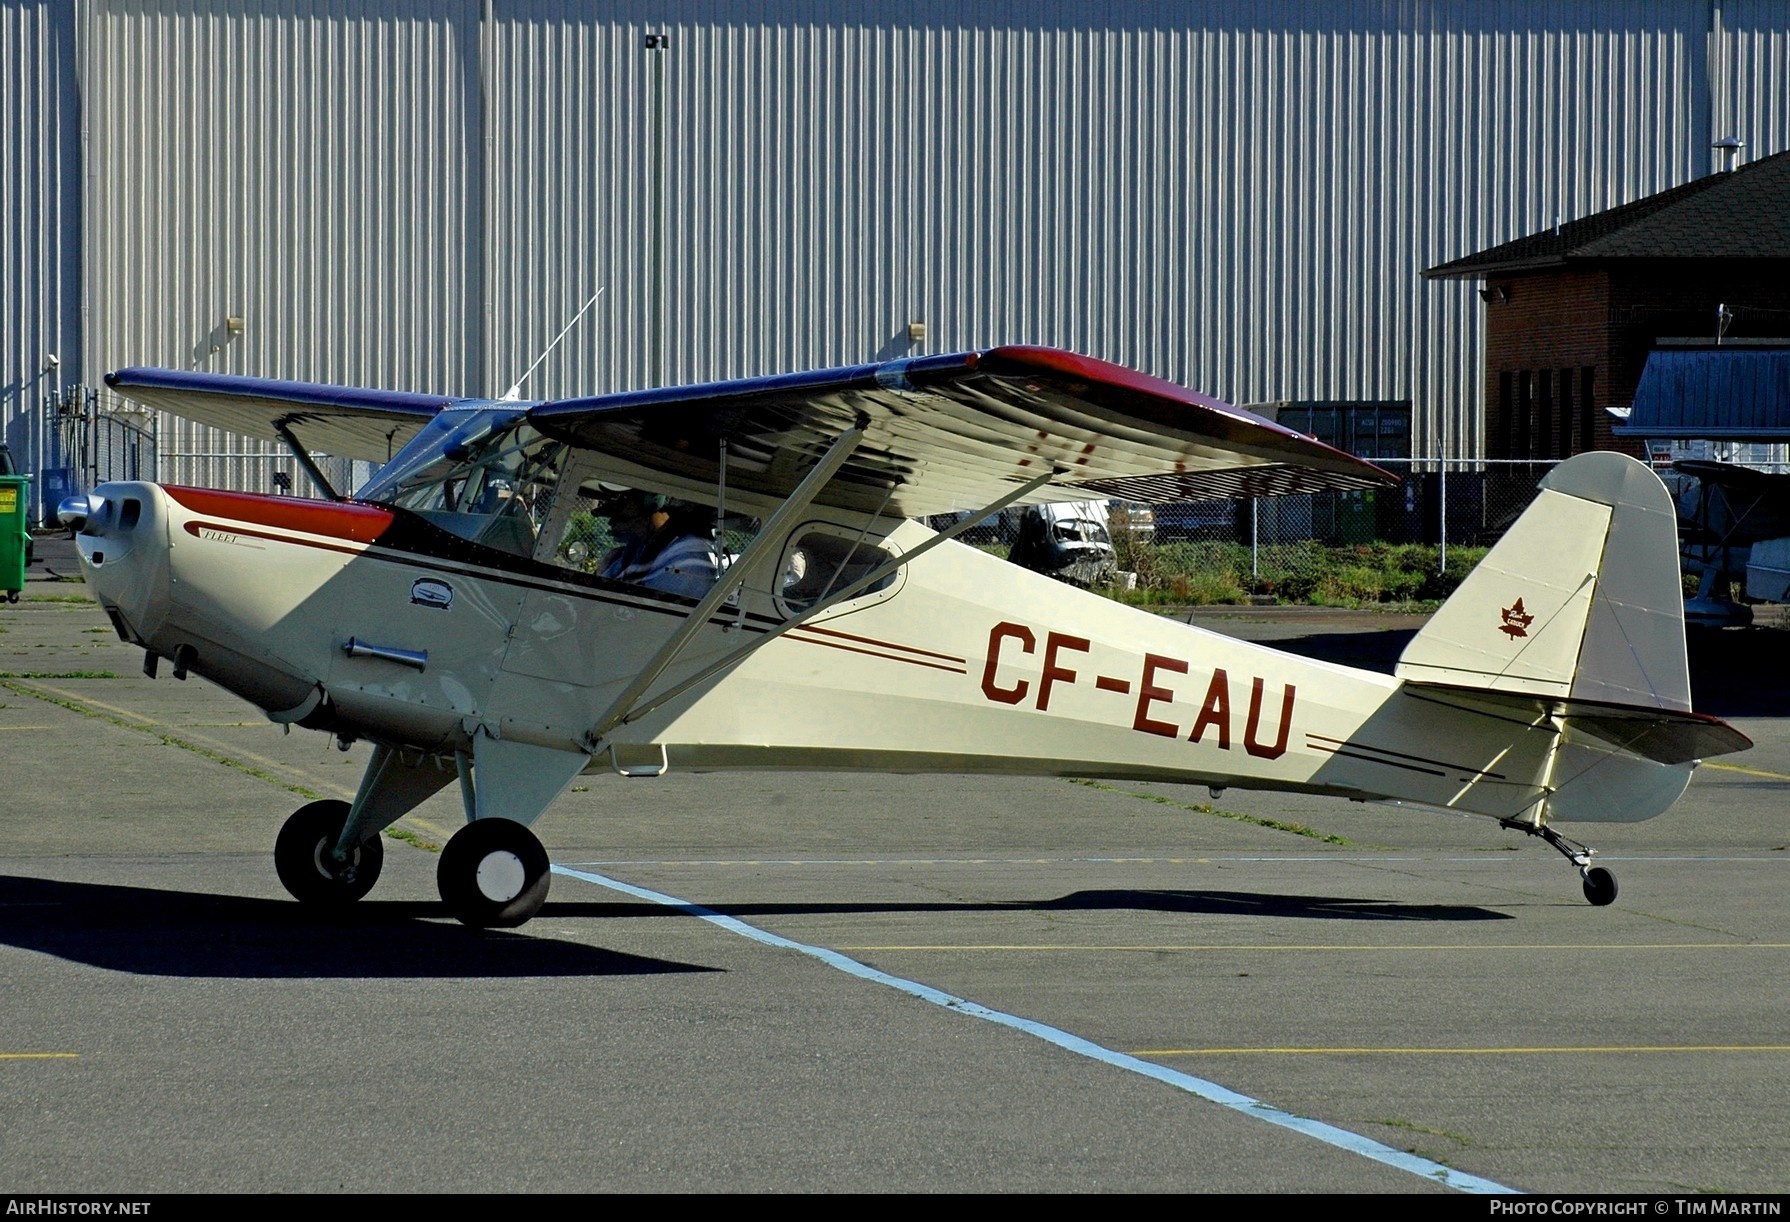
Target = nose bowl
(122,537)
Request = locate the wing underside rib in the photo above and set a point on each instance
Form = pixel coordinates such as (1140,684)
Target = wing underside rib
(954,432)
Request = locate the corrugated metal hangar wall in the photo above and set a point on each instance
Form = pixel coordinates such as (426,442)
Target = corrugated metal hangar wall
(420,194)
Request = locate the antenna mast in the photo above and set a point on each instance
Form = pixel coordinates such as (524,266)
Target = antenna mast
(515,392)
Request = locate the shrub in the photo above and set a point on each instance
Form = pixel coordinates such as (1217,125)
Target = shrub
(1352,575)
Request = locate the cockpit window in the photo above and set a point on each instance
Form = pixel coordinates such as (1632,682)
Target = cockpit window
(488,475)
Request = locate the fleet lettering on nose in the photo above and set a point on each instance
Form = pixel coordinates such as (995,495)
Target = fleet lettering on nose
(1016,672)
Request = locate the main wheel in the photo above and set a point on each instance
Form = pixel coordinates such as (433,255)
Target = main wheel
(304,856)
(493,873)
(1600,886)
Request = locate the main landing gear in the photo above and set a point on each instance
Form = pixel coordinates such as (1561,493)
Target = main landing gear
(493,874)
(307,862)
(1599,883)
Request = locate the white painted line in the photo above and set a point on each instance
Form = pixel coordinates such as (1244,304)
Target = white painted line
(1210,1091)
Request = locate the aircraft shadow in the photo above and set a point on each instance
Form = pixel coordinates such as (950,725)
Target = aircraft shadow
(178,933)
(1195,903)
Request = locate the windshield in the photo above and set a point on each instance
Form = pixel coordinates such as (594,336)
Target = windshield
(485,475)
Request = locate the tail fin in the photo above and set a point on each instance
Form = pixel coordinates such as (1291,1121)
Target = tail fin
(1580,600)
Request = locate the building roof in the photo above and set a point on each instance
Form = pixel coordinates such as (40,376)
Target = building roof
(1733,394)
(1742,214)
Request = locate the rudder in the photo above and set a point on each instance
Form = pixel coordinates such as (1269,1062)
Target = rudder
(1581,598)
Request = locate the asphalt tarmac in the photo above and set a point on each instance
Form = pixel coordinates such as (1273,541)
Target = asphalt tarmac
(780,982)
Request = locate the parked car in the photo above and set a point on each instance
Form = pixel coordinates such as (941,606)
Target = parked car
(1069,542)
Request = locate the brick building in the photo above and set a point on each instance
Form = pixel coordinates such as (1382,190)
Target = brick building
(1572,312)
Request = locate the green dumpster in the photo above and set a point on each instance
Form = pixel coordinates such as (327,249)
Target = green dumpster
(15,538)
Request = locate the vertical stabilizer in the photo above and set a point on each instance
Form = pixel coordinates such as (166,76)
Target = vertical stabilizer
(1580,599)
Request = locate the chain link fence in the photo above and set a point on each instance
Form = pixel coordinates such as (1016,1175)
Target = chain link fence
(90,445)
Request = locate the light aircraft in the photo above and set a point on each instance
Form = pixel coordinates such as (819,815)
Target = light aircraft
(448,613)
(1734,521)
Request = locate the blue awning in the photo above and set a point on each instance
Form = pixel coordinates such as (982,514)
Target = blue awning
(1728,394)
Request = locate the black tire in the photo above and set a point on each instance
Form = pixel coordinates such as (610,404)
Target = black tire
(1600,886)
(302,858)
(493,874)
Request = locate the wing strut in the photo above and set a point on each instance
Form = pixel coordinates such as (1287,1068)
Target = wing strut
(620,711)
(284,429)
(771,535)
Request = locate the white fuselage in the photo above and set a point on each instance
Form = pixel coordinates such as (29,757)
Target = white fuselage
(964,664)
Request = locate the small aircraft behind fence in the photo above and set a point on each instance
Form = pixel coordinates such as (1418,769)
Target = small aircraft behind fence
(455,615)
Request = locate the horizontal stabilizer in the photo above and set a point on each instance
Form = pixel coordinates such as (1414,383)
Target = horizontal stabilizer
(1665,736)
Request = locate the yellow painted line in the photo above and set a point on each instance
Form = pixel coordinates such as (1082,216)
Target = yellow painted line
(38,1056)
(1775,776)
(1455,1052)
(1251,949)
(28,727)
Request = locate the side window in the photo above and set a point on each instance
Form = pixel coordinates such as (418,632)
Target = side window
(642,538)
(586,538)
(591,533)
(822,561)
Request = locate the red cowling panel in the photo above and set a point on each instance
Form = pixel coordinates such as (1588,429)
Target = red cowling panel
(337,519)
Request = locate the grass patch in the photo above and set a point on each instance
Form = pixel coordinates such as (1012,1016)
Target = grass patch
(1205,808)
(1412,1127)
(57,674)
(412,839)
(165,738)
(56,598)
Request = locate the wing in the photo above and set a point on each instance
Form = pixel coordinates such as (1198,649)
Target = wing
(954,432)
(340,420)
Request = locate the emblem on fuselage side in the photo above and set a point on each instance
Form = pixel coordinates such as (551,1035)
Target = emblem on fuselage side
(428,592)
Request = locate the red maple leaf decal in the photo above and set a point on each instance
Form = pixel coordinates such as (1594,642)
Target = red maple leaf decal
(1516,621)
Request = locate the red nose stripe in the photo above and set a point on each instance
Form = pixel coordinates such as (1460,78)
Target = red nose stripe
(340,520)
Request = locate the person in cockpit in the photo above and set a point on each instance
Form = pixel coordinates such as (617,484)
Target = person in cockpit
(664,543)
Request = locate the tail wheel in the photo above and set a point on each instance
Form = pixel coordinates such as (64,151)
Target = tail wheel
(1600,886)
(304,857)
(493,874)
